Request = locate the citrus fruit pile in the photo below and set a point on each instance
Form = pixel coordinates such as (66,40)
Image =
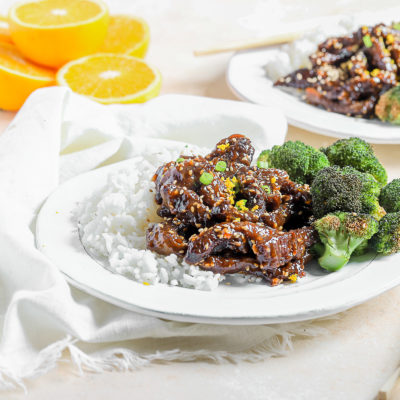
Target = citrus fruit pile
(74,43)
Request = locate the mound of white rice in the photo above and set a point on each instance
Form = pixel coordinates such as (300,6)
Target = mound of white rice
(296,54)
(113,223)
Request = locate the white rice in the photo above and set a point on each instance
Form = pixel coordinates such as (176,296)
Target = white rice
(295,55)
(113,223)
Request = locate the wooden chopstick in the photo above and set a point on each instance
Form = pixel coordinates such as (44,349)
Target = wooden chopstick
(387,387)
(251,44)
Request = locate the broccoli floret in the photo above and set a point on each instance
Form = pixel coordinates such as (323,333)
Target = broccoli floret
(340,234)
(390,196)
(299,160)
(262,160)
(345,189)
(388,106)
(387,240)
(369,193)
(356,153)
(361,249)
(333,191)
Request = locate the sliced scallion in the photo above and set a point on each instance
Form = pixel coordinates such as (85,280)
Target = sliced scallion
(367,41)
(220,166)
(206,178)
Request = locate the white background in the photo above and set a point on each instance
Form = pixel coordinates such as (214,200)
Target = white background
(363,346)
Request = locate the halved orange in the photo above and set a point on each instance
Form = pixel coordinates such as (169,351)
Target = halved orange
(111,78)
(127,35)
(19,77)
(53,32)
(5,35)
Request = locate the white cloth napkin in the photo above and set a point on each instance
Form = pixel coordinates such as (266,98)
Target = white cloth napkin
(41,315)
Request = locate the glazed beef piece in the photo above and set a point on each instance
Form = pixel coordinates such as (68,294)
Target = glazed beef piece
(349,74)
(246,265)
(164,238)
(236,151)
(363,108)
(261,210)
(233,247)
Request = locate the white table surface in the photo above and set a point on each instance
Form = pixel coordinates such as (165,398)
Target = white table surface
(362,347)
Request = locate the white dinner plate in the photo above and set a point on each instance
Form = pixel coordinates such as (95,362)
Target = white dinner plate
(247,79)
(318,294)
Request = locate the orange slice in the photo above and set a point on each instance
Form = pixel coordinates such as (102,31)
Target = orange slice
(127,35)
(19,78)
(53,32)
(5,35)
(111,78)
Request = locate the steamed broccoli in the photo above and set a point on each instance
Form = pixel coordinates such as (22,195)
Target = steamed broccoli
(369,194)
(356,153)
(388,106)
(262,160)
(333,191)
(387,240)
(345,189)
(361,249)
(340,234)
(390,196)
(300,160)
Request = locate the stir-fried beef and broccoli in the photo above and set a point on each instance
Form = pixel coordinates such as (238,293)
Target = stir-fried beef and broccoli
(228,216)
(349,74)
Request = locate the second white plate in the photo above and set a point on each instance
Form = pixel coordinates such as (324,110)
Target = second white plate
(247,79)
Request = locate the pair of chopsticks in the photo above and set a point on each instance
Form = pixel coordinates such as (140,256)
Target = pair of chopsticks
(251,44)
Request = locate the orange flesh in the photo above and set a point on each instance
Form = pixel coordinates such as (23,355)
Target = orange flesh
(57,12)
(106,77)
(123,34)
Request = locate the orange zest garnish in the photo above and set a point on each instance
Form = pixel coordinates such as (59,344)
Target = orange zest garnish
(226,234)
(223,146)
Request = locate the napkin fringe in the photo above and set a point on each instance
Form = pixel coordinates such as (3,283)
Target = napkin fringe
(45,361)
(123,359)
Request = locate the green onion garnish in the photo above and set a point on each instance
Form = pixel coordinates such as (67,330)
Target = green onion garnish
(266,188)
(262,164)
(367,41)
(396,26)
(180,159)
(206,178)
(220,166)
